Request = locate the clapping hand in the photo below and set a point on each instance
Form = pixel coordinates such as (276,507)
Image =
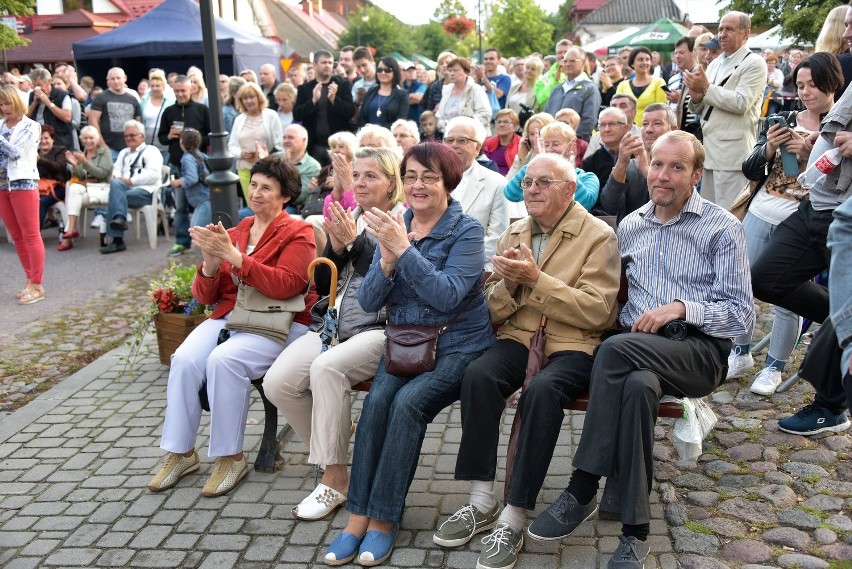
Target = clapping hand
(69,156)
(697,83)
(391,233)
(342,172)
(215,245)
(340,227)
(517,266)
(332,92)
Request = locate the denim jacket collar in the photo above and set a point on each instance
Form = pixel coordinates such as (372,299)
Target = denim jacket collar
(445,225)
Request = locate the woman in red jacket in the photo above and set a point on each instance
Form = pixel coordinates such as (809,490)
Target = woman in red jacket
(503,146)
(269,251)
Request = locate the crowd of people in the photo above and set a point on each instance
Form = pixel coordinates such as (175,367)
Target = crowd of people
(463,213)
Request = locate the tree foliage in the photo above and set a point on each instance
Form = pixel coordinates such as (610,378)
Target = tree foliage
(561,22)
(378,29)
(520,27)
(9,38)
(447,9)
(800,19)
(431,39)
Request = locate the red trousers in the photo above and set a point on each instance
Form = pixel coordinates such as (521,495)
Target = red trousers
(19,212)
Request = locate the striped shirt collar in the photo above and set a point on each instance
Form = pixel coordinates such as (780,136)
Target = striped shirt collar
(693,205)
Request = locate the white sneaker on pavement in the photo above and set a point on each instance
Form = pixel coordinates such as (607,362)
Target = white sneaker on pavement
(766,381)
(97,221)
(739,365)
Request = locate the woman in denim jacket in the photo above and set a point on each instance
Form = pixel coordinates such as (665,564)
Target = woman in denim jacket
(427,270)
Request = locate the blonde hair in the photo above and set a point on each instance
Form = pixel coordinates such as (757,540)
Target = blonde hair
(558,128)
(244,90)
(388,162)
(830,38)
(157,74)
(570,115)
(9,95)
(543,119)
(346,139)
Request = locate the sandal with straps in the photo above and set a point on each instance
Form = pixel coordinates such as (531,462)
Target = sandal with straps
(32,296)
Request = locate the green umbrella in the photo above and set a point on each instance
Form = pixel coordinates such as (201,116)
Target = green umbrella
(659,36)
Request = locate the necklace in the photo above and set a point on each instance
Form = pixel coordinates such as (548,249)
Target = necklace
(381,101)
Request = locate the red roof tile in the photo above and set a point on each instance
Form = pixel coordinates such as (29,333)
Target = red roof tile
(54,44)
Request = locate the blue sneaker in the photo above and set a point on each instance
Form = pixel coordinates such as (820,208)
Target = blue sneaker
(343,549)
(813,419)
(377,547)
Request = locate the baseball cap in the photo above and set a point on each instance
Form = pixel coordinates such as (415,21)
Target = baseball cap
(712,44)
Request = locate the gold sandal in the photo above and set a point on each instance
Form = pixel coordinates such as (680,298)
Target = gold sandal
(32,296)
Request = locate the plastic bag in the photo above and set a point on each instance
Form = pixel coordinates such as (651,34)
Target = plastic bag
(689,432)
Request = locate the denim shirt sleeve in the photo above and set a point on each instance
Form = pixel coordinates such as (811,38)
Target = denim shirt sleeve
(376,287)
(444,290)
(188,170)
(839,281)
(588,188)
(513,190)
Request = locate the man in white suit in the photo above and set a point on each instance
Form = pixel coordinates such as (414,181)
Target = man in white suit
(480,191)
(728,97)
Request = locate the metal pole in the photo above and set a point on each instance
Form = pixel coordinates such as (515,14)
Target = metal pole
(479,27)
(221,181)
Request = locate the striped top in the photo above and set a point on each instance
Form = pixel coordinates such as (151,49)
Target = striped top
(698,257)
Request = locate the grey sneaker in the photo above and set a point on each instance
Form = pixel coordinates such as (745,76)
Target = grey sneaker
(502,547)
(561,518)
(464,524)
(631,554)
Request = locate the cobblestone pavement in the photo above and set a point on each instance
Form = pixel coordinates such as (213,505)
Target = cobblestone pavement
(75,461)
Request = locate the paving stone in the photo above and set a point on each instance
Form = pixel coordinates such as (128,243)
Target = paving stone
(687,541)
(72,557)
(799,519)
(824,503)
(787,537)
(800,561)
(824,536)
(747,551)
(748,510)
(781,497)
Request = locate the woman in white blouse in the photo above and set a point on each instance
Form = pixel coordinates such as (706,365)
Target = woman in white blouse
(255,128)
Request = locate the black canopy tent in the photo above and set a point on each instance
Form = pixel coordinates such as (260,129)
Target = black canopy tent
(169,37)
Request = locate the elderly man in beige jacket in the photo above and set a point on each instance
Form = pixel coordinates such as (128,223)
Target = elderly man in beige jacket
(562,263)
(728,99)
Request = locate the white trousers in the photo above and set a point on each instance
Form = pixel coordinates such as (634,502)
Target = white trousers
(79,195)
(722,186)
(229,369)
(311,389)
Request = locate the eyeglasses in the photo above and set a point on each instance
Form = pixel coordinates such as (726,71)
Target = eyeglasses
(503,123)
(604,125)
(460,139)
(384,70)
(132,134)
(427,179)
(542,183)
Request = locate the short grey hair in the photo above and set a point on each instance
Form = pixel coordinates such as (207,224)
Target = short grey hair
(40,74)
(614,111)
(479,134)
(92,131)
(566,170)
(671,117)
(133,123)
(299,129)
(378,132)
(410,127)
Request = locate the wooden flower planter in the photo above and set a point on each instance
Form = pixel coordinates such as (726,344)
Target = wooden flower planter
(172,329)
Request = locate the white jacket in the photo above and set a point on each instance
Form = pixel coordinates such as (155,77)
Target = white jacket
(272,126)
(474,101)
(146,172)
(24,143)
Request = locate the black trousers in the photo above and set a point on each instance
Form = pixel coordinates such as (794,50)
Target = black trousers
(821,367)
(487,382)
(632,371)
(796,253)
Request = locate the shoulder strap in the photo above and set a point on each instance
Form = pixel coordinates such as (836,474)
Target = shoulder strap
(722,84)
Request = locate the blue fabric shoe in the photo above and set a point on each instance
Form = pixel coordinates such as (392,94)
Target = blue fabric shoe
(343,549)
(377,547)
(813,419)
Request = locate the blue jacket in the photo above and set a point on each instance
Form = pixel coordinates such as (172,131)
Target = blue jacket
(433,279)
(588,188)
(196,191)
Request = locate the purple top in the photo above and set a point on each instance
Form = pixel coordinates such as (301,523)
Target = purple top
(499,157)
(347,201)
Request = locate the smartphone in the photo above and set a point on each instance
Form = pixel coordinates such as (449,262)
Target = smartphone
(788,159)
(666,88)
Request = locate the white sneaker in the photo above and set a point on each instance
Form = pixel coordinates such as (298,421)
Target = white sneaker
(766,381)
(97,222)
(739,365)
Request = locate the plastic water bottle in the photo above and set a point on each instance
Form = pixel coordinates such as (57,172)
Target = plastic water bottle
(816,174)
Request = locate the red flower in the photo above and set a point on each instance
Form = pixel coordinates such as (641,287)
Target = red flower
(458,25)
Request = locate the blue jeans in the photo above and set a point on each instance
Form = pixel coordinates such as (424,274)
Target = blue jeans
(182,222)
(787,326)
(122,197)
(390,434)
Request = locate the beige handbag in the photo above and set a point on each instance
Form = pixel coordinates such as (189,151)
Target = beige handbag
(256,313)
(743,200)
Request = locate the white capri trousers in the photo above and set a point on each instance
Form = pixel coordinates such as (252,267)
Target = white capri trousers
(229,369)
(79,196)
(311,389)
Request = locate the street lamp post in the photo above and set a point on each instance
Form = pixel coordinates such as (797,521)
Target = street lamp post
(221,181)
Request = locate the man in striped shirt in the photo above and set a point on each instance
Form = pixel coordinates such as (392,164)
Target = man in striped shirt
(687,269)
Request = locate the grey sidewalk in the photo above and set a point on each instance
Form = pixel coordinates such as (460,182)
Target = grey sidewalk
(75,462)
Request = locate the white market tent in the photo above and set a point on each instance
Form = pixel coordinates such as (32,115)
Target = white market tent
(600,46)
(772,39)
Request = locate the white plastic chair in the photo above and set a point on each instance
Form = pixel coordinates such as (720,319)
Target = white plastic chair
(154,213)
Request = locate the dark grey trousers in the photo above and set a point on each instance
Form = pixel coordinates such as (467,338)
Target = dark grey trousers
(632,371)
